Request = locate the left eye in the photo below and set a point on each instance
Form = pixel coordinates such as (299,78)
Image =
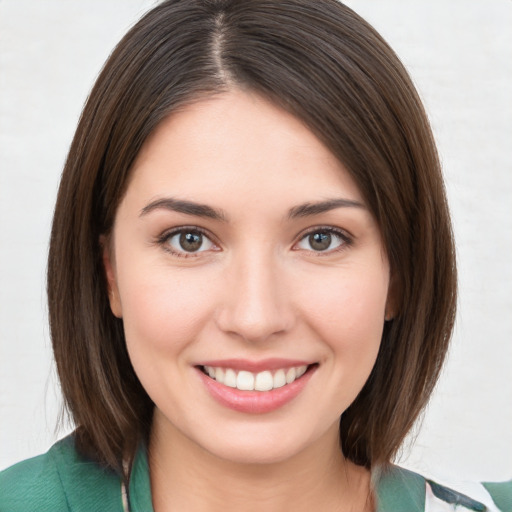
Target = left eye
(322,241)
(188,241)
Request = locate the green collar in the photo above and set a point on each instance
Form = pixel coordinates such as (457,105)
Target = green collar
(398,490)
(140,487)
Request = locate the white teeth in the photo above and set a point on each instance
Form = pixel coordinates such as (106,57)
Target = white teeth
(219,375)
(245,381)
(301,370)
(279,379)
(230,378)
(262,381)
(291,374)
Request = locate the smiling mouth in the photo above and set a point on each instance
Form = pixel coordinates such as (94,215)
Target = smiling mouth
(262,381)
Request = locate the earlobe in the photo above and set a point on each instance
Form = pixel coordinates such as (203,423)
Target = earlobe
(109,268)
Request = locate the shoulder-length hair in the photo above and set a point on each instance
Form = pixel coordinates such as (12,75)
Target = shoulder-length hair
(324,64)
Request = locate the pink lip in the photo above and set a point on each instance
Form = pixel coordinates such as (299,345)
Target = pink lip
(254,402)
(255,366)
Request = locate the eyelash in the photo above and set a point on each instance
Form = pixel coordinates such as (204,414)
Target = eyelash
(163,239)
(346,239)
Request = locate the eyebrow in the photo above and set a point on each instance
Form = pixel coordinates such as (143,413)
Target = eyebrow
(307,209)
(204,210)
(183,206)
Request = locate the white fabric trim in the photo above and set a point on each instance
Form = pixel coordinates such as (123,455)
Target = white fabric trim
(124,498)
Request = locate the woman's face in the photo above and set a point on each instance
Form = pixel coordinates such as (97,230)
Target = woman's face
(242,255)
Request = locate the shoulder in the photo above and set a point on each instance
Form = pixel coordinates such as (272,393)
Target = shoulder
(400,490)
(33,481)
(59,480)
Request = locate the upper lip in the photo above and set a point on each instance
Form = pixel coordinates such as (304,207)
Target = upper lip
(255,366)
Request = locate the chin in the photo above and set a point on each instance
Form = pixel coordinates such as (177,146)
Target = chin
(257,453)
(267,444)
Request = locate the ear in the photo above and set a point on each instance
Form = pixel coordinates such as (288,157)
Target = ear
(110,274)
(392,300)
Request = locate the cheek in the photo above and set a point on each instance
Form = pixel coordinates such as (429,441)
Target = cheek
(163,309)
(347,311)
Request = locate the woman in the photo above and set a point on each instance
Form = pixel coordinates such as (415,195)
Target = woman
(250,242)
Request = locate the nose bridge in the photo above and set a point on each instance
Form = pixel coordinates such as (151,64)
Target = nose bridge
(256,304)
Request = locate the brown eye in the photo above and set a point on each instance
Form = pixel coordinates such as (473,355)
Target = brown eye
(320,241)
(323,240)
(187,241)
(191,242)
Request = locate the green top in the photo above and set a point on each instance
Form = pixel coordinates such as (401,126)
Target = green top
(62,480)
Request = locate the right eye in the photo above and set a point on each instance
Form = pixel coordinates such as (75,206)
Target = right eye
(186,242)
(324,240)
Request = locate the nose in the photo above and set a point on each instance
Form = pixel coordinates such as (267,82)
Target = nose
(256,305)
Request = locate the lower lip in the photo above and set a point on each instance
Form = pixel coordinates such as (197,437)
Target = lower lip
(255,402)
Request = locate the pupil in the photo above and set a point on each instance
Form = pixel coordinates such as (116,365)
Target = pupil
(191,241)
(320,241)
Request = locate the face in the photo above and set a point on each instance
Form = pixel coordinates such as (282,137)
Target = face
(251,279)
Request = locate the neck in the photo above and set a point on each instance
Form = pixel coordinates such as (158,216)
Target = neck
(185,477)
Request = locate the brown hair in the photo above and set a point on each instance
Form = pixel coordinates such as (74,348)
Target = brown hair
(324,64)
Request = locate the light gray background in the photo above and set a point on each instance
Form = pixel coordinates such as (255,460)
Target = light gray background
(459,53)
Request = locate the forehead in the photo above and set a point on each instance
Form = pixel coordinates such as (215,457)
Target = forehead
(240,143)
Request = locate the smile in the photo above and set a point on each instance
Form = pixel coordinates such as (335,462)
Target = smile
(248,381)
(255,387)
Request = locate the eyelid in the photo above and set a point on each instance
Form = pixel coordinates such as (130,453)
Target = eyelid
(169,233)
(161,239)
(347,238)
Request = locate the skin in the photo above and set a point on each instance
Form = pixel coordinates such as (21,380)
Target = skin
(256,289)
